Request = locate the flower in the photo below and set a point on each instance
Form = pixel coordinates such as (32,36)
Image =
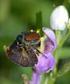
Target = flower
(59,18)
(46,61)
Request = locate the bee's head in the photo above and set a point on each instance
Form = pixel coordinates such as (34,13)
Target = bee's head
(29,38)
(32,38)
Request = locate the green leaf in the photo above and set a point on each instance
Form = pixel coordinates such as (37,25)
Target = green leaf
(63,66)
(62,53)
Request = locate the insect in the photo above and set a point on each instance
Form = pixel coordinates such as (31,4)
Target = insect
(23,50)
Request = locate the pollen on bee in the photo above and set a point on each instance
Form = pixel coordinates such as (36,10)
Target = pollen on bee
(32,30)
(38,31)
(42,44)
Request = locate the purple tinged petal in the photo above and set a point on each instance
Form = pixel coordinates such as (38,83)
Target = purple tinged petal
(49,46)
(45,63)
(51,36)
(35,78)
(52,61)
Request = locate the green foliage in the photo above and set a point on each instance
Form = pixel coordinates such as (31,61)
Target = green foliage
(17,16)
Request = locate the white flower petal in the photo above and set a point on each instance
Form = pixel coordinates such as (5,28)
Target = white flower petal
(59,18)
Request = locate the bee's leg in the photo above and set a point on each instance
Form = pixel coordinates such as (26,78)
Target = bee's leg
(6,49)
(19,46)
(34,69)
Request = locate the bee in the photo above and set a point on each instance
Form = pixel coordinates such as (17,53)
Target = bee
(23,51)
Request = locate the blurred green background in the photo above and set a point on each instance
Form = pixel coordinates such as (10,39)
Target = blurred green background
(20,15)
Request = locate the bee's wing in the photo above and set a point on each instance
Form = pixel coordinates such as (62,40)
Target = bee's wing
(24,57)
(32,55)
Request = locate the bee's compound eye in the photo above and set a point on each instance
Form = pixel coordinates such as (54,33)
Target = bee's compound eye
(19,38)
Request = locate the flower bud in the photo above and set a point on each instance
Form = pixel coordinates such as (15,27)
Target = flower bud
(59,18)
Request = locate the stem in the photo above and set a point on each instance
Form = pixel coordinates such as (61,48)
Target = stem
(49,80)
(58,36)
(64,39)
(46,81)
